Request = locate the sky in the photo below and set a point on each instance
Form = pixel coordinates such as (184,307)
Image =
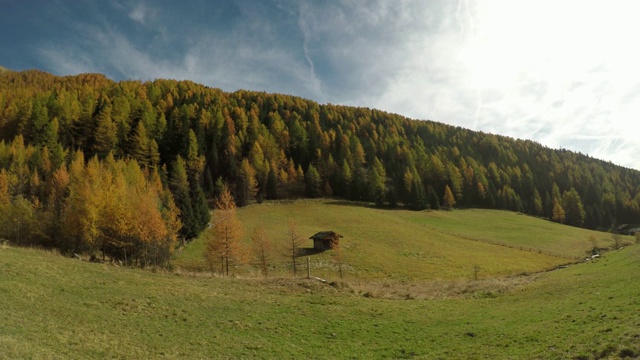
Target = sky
(560,72)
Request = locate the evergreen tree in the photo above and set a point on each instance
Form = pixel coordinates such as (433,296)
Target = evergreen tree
(313,182)
(537,203)
(377,180)
(272,185)
(179,185)
(433,199)
(419,199)
(573,209)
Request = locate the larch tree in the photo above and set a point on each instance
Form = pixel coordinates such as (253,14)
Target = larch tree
(448,200)
(292,245)
(247,184)
(106,133)
(226,232)
(377,182)
(558,214)
(261,248)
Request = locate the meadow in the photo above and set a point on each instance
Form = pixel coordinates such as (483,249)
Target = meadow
(408,246)
(60,308)
(55,308)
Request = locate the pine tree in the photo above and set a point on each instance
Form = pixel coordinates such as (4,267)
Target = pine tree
(573,209)
(179,185)
(272,185)
(418,196)
(433,199)
(313,182)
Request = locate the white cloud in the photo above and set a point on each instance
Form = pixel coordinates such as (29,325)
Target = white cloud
(138,13)
(561,73)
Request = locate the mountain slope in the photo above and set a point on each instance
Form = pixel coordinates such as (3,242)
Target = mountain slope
(277,146)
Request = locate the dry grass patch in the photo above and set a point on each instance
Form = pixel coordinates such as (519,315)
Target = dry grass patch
(432,290)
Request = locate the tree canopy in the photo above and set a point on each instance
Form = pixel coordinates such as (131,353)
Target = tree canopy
(70,145)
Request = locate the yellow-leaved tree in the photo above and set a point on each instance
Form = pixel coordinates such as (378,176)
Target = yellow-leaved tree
(224,238)
(117,208)
(448,200)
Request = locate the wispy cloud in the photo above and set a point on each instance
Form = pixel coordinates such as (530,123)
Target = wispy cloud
(561,73)
(138,13)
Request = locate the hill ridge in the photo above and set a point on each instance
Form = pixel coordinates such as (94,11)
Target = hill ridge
(273,146)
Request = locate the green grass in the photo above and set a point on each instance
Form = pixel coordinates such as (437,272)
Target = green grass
(60,308)
(410,246)
(513,229)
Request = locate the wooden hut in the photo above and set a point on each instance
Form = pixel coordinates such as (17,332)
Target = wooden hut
(325,240)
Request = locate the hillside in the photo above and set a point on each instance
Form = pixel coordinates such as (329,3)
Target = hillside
(55,307)
(409,246)
(181,141)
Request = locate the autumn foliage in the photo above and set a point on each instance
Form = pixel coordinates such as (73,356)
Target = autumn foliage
(266,146)
(113,208)
(224,244)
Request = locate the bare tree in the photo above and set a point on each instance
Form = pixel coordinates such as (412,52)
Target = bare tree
(292,245)
(261,248)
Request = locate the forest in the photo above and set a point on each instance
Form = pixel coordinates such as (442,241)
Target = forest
(128,169)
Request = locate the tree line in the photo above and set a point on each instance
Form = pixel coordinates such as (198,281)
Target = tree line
(187,140)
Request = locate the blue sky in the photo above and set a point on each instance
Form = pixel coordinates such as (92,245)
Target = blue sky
(563,73)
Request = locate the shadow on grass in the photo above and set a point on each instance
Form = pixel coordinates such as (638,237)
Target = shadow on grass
(308,251)
(369,205)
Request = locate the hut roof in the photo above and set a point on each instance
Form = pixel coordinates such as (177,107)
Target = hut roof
(322,235)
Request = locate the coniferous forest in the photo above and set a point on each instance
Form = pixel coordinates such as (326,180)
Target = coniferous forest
(128,168)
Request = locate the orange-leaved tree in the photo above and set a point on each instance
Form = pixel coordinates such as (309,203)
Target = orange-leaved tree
(226,232)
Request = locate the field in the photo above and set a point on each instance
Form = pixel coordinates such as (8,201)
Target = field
(59,308)
(410,246)
(54,307)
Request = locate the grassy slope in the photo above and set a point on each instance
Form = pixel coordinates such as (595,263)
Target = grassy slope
(409,246)
(53,307)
